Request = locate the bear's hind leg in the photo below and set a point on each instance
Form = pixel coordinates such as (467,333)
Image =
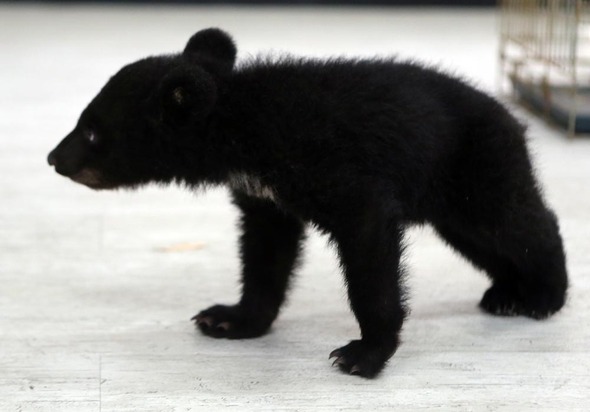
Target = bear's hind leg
(523,255)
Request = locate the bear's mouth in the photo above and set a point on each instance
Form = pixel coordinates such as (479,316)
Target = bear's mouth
(91,178)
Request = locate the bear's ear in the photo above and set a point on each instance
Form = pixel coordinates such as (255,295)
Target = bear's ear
(213,49)
(187,94)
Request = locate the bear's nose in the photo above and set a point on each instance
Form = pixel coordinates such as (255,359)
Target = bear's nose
(51,159)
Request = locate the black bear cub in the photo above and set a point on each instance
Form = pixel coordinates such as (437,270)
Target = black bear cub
(358,148)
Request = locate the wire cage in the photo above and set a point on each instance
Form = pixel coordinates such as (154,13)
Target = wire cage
(545,58)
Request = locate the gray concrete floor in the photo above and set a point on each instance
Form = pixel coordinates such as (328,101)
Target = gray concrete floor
(95,316)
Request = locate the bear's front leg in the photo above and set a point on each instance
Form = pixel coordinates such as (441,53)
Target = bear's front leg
(270,244)
(369,245)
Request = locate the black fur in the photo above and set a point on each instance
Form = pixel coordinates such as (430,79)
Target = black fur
(358,148)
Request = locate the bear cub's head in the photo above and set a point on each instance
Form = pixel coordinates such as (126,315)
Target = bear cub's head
(144,113)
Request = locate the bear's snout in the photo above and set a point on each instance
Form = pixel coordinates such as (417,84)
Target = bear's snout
(51,159)
(62,166)
(69,156)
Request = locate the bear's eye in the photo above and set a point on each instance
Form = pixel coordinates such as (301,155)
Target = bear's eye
(90,136)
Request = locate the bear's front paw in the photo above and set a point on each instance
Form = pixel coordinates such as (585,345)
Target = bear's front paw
(361,358)
(232,322)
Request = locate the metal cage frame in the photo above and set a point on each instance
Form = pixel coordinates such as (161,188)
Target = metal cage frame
(546,42)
